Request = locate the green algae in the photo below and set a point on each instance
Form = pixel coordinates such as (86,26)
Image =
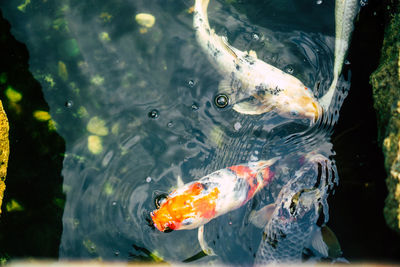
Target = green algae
(386,93)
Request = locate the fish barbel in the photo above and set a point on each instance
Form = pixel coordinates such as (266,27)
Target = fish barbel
(254,86)
(196,203)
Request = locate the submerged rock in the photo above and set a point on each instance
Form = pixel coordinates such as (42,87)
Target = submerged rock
(386,92)
(4,151)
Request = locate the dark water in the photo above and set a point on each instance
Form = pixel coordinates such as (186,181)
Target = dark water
(133,109)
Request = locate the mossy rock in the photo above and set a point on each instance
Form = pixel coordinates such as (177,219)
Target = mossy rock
(4,151)
(386,93)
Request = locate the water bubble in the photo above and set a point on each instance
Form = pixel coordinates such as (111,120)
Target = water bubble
(221,100)
(363,2)
(346,62)
(318,2)
(148,179)
(116,253)
(154,114)
(255,36)
(114,203)
(170,124)
(289,69)
(69,103)
(191,83)
(237,126)
(195,106)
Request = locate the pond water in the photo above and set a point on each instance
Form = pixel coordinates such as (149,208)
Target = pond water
(135,107)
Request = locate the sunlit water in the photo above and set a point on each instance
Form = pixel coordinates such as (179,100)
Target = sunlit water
(154,90)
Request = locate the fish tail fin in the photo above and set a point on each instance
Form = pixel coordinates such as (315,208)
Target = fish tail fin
(200,14)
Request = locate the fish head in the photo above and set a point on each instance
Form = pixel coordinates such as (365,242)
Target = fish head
(299,105)
(188,207)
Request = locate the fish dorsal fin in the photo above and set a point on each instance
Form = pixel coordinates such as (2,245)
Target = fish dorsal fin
(262,216)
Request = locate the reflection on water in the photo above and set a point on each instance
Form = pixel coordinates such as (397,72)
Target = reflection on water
(136,108)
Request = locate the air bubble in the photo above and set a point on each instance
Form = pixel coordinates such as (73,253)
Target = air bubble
(318,2)
(289,69)
(114,203)
(255,37)
(346,62)
(191,83)
(69,104)
(363,2)
(170,124)
(116,253)
(195,106)
(221,100)
(148,179)
(154,114)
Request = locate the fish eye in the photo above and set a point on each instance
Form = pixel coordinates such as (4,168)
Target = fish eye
(294,113)
(159,199)
(187,221)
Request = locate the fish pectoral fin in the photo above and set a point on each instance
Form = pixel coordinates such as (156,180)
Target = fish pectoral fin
(330,239)
(262,216)
(252,108)
(203,244)
(252,53)
(318,244)
(179,181)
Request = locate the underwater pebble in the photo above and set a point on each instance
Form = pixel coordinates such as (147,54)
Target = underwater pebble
(195,107)
(255,37)
(237,126)
(97,126)
(145,19)
(62,71)
(289,69)
(94,144)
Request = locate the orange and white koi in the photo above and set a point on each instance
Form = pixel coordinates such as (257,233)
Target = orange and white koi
(196,203)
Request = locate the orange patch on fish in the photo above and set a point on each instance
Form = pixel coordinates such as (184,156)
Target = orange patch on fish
(242,171)
(189,204)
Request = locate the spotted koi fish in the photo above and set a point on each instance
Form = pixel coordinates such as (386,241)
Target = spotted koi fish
(196,203)
(254,86)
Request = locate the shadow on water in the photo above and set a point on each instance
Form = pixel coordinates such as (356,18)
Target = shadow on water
(30,225)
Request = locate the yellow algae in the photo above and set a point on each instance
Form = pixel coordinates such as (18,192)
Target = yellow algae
(143,30)
(62,71)
(90,246)
(115,128)
(95,145)
(104,36)
(145,20)
(13,95)
(52,125)
(41,115)
(155,255)
(4,151)
(48,78)
(22,7)
(106,17)
(108,189)
(97,80)
(82,112)
(13,205)
(190,10)
(97,126)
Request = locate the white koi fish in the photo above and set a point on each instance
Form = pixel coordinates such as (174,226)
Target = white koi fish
(194,204)
(254,87)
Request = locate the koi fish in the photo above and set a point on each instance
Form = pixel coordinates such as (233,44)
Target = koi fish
(293,223)
(196,203)
(254,86)
(345,12)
